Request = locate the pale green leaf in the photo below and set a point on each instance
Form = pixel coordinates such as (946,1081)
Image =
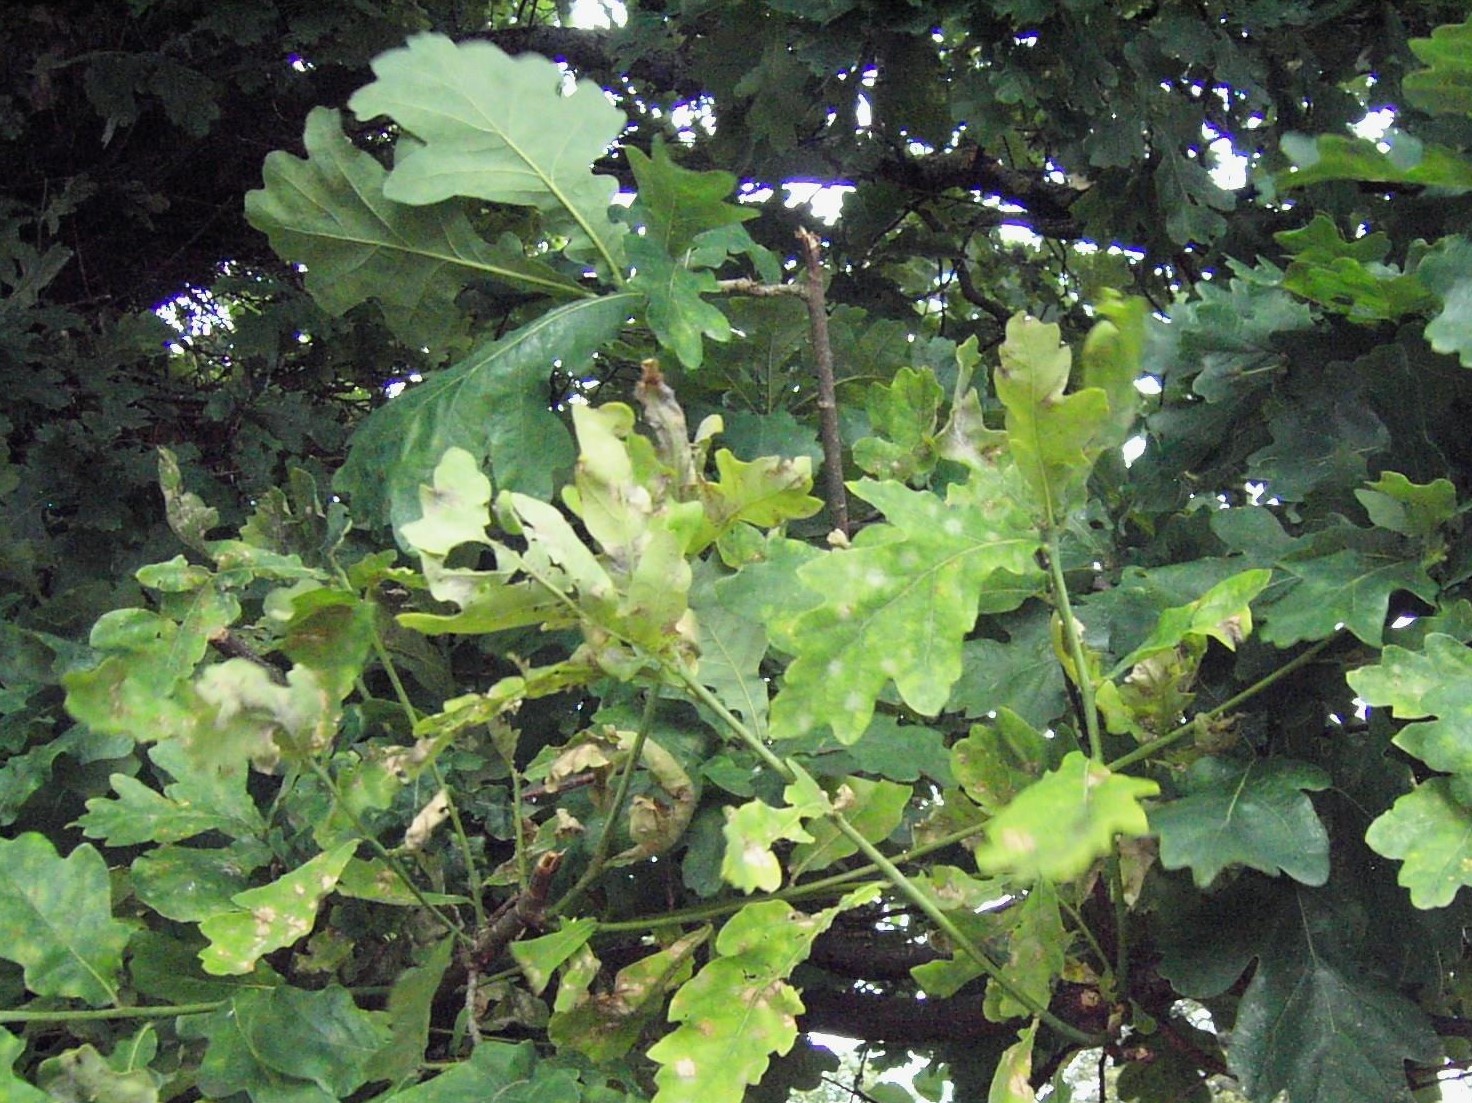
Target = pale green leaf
(1445,86)
(1036,952)
(271,916)
(455,510)
(1222,614)
(56,919)
(540,957)
(1430,832)
(1061,824)
(753,828)
(11,1087)
(739,1009)
(874,808)
(1412,509)
(907,593)
(503,129)
(678,204)
(1012,1081)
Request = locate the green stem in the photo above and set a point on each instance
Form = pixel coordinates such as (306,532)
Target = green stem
(1088,935)
(1075,644)
(472,872)
(595,865)
(1155,746)
(894,875)
(105,1013)
(1121,928)
(378,848)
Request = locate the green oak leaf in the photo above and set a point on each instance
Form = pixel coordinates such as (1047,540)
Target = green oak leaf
(1057,827)
(1349,277)
(1411,509)
(1349,587)
(1445,86)
(288,1044)
(271,916)
(753,828)
(604,1026)
(1312,1024)
(1036,951)
(329,212)
(189,884)
(83,1075)
(1447,271)
(732,647)
(1054,437)
(676,313)
(56,919)
(908,593)
(12,1087)
(1429,831)
(1012,1080)
(1254,814)
(1416,684)
(903,416)
(1394,158)
(872,807)
(1000,758)
(677,204)
(498,128)
(455,510)
(396,449)
(200,799)
(1023,674)
(739,1009)
(540,957)
(1223,613)
(410,1005)
(764,492)
(374,879)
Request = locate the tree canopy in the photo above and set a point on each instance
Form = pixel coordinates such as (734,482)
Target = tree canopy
(504,597)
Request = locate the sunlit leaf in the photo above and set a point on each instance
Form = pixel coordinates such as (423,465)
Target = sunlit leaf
(1057,827)
(271,916)
(491,128)
(910,590)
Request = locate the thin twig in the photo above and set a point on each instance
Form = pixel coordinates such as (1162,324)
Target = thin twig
(827,393)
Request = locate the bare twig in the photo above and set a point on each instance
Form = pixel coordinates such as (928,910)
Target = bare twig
(827,395)
(759,290)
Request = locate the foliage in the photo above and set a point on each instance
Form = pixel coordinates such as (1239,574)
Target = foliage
(436,663)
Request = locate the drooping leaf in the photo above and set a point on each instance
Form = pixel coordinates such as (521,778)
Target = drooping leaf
(1252,813)
(410,1005)
(873,808)
(540,957)
(739,1009)
(751,829)
(1057,827)
(997,760)
(1012,1081)
(271,916)
(1037,946)
(496,127)
(329,212)
(397,448)
(604,1026)
(1223,613)
(911,589)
